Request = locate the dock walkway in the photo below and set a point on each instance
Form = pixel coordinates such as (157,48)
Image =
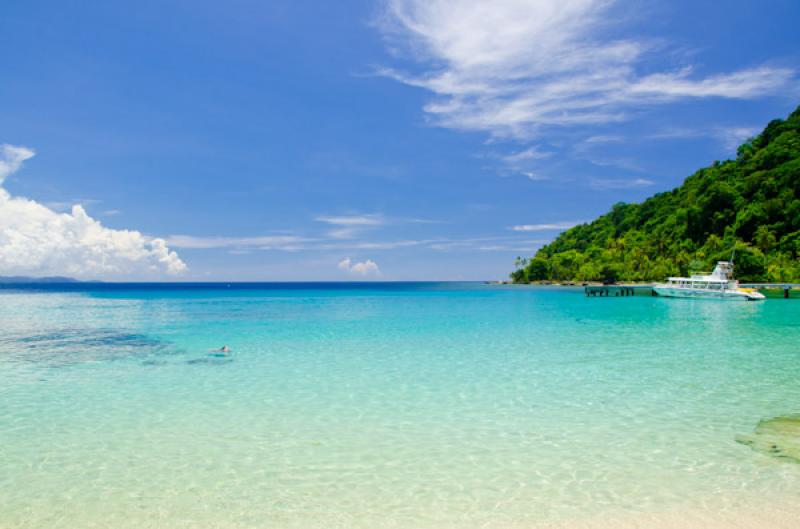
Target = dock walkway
(618,290)
(786,287)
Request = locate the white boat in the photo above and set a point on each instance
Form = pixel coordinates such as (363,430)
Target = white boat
(719,284)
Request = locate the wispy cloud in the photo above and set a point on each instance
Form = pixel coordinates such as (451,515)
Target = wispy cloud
(744,84)
(730,137)
(674,133)
(564,225)
(353,226)
(604,138)
(619,183)
(267,242)
(486,244)
(531,153)
(352,220)
(554,63)
(11,158)
(350,226)
(381,245)
(627,163)
(524,162)
(326,243)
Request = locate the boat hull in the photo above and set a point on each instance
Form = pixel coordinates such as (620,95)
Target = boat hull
(726,295)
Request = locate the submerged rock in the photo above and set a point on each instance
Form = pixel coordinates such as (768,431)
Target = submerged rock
(210,360)
(777,437)
(154,363)
(70,346)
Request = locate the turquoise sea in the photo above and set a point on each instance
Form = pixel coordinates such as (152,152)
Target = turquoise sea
(409,405)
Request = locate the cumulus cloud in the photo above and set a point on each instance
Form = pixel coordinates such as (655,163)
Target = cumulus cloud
(35,240)
(554,63)
(364,268)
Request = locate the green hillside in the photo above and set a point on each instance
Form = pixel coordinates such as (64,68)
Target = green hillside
(751,203)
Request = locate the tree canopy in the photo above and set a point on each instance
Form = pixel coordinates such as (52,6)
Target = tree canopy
(751,204)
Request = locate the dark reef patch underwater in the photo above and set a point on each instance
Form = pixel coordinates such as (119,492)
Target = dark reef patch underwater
(778,437)
(78,346)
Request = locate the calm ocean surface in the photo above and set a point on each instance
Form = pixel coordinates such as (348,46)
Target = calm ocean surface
(383,405)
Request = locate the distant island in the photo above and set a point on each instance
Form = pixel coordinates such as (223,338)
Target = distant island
(751,204)
(5,280)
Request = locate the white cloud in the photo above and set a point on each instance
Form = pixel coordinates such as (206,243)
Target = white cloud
(523,162)
(546,227)
(364,268)
(11,158)
(744,84)
(629,164)
(380,245)
(531,153)
(534,177)
(266,242)
(486,244)
(352,220)
(35,240)
(675,133)
(349,226)
(604,138)
(619,183)
(512,67)
(343,233)
(289,243)
(732,137)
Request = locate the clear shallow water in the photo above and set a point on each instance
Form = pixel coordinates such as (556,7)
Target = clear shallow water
(405,405)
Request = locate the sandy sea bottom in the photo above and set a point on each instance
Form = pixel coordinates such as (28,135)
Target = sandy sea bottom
(405,406)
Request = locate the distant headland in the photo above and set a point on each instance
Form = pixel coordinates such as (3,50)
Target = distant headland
(6,280)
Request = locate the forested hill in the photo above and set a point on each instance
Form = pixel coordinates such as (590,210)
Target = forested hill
(751,203)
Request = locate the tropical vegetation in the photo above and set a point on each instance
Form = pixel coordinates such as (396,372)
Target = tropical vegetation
(750,204)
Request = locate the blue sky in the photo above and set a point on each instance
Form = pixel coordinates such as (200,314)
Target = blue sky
(349,140)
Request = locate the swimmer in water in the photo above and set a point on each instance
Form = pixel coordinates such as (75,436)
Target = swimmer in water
(221,352)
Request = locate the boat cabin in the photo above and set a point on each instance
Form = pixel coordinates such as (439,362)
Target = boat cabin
(720,279)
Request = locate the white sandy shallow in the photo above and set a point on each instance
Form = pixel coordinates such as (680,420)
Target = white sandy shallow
(774,515)
(782,514)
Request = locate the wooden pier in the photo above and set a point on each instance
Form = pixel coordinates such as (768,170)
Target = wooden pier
(618,290)
(785,287)
(621,290)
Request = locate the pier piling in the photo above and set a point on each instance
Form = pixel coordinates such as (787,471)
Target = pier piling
(618,291)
